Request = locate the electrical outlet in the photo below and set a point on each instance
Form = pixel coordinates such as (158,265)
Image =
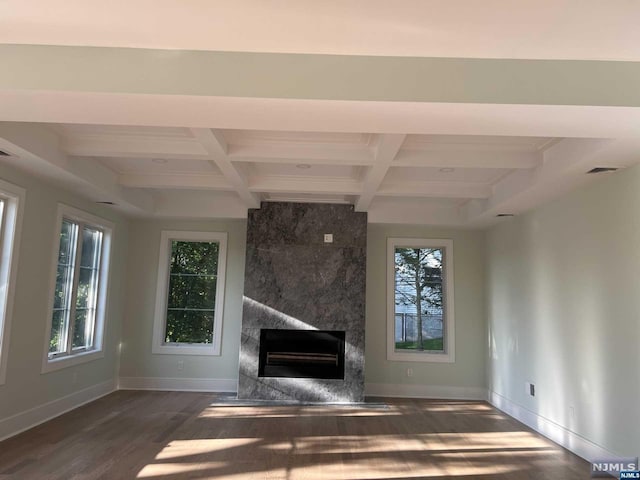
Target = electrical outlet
(530,389)
(409,372)
(180,365)
(328,238)
(572,413)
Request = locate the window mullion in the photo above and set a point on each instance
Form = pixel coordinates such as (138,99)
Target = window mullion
(166,295)
(90,334)
(3,207)
(74,289)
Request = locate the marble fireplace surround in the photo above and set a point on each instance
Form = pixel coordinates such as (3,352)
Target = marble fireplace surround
(294,280)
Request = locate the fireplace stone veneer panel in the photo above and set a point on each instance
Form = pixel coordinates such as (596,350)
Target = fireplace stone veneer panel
(293,280)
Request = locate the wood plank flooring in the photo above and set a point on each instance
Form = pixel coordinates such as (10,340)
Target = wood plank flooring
(177,435)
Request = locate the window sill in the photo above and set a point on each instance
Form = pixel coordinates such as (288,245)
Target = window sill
(187,349)
(421,357)
(51,365)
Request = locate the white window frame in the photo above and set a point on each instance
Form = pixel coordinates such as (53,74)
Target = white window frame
(58,362)
(10,228)
(448,323)
(160,317)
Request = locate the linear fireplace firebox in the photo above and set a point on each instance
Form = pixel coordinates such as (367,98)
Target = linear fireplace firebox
(301,353)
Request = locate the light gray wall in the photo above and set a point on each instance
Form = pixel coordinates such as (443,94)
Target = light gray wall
(468,371)
(142,276)
(564,311)
(468,261)
(25,386)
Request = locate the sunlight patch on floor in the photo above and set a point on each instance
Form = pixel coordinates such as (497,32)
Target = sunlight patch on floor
(350,457)
(163,469)
(185,448)
(294,411)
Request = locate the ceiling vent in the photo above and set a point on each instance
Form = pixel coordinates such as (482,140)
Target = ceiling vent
(505,215)
(603,169)
(4,154)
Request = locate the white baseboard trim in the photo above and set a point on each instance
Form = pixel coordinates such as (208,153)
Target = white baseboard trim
(22,421)
(230,385)
(561,435)
(424,391)
(227,385)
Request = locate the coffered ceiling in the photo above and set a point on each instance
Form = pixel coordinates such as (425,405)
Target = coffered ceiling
(332,102)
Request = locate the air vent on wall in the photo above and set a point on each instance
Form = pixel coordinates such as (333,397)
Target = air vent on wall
(4,154)
(603,169)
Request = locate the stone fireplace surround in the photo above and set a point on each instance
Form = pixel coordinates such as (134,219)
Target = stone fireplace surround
(294,280)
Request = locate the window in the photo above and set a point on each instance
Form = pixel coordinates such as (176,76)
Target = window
(420,320)
(11,201)
(81,265)
(190,294)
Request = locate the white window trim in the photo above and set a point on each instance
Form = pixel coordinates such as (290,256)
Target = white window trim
(14,197)
(449,318)
(159,347)
(57,363)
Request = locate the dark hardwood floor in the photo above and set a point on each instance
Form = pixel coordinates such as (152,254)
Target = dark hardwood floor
(172,436)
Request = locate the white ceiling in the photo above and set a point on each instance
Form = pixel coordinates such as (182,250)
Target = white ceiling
(481,145)
(533,29)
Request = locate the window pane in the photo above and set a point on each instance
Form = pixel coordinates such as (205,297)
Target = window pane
(91,242)
(194,257)
(63,289)
(189,326)
(68,237)
(89,270)
(64,283)
(192,292)
(56,342)
(419,304)
(87,293)
(191,295)
(83,328)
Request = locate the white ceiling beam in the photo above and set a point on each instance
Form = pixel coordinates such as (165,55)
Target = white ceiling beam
(435,190)
(147,146)
(199,181)
(525,188)
(216,146)
(320,115)
(303,160)
(329,154)
(467,159)
(386,149)
(38,150)
(308,198)
(273,184)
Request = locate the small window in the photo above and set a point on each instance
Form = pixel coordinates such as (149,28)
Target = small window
(420,300)
(190,295)
(11,200)
(79,293)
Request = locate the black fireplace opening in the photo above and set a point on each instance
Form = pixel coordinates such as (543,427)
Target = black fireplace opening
(301,353)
